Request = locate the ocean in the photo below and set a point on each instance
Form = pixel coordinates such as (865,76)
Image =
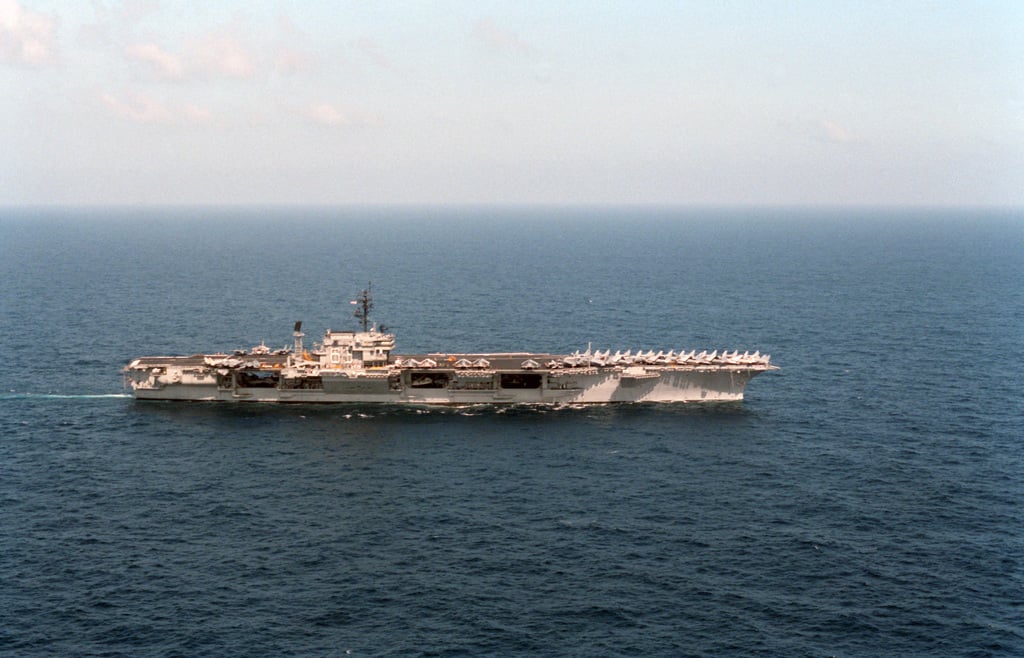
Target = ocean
(867,499)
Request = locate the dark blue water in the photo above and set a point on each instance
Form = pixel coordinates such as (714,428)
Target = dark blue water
(867,499)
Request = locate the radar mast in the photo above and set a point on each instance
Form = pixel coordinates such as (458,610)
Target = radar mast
(363,305)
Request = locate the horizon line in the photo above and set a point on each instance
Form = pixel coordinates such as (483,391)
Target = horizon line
(567,205)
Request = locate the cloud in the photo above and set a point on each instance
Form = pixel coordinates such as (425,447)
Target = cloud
(137,108)
(326,114)
(505,46)
(329,114)
(26,37)
(165,63)
(231,50)
(290,49)
(223,54)
(498,39)
(830,131)
(197,114)
(292,61)
(143,109)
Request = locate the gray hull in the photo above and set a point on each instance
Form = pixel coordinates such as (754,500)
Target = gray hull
(594,386)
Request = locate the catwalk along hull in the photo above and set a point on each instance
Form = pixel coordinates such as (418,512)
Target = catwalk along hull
(359,367)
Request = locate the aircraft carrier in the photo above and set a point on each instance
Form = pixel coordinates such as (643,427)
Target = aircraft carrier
(359,367)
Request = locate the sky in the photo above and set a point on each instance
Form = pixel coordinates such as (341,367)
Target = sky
(482,102)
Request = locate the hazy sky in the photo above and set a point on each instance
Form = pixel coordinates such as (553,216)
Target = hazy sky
(676,102)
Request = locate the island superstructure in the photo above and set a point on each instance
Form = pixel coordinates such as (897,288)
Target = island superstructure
(360,367)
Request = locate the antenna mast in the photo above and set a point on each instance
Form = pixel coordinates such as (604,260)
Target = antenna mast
(363,305)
